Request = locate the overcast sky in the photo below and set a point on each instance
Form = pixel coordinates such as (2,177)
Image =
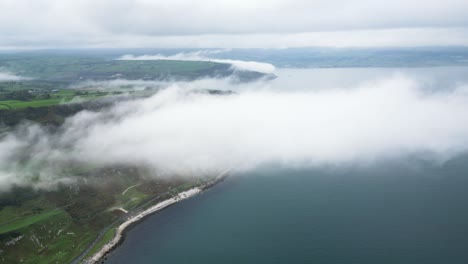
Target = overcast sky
(232,23)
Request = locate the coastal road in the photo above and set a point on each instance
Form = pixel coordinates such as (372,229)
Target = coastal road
(123,193)
(80,258)
(101,234)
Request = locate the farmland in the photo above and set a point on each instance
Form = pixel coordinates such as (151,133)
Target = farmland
(67,69)
(50,80)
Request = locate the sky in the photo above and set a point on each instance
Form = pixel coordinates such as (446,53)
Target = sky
(29,24)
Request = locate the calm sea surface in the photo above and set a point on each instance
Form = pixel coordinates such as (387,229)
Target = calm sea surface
(401,212)
(384,214)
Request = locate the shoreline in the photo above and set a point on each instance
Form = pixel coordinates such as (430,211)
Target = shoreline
(122,228)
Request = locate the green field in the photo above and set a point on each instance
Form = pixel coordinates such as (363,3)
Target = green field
(16,224)
(15,104)
(63,97)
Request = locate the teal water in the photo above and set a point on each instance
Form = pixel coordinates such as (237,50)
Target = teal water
(395,212)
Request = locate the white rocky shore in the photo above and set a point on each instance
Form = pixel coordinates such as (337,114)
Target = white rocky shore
(119,231)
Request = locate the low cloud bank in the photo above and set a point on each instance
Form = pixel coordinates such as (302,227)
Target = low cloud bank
(204,55)
(6,76)
(178,131)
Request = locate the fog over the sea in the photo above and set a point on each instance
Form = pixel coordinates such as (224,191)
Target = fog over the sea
(181,131)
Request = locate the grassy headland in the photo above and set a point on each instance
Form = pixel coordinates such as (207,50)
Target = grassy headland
(57,225)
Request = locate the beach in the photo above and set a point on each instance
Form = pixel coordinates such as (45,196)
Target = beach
(120,230)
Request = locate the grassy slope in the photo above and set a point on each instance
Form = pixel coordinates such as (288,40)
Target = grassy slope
(18,223)
(49,234)
(109,234)
(56,226)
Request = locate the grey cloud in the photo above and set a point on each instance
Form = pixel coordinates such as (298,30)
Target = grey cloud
(71,23)
(281,16)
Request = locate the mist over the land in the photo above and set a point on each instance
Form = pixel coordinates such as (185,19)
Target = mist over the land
(6,76)
(182,131)
(204,55)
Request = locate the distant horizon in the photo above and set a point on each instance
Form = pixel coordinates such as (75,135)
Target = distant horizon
(305,57)
(228,49)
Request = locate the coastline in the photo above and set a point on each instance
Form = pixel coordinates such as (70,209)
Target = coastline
(122,228)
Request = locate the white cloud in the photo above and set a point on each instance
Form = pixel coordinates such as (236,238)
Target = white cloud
(181,132)
(6,76)
(203,55)
(176,132)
